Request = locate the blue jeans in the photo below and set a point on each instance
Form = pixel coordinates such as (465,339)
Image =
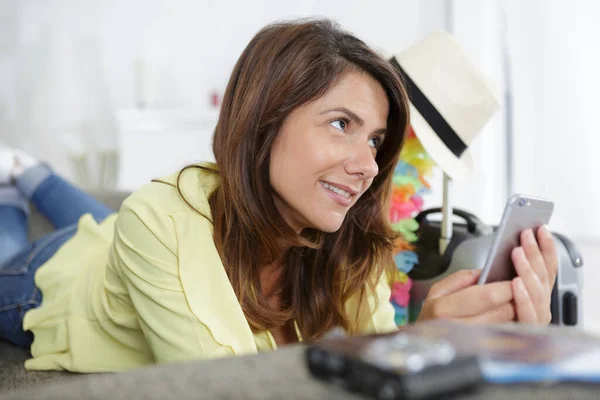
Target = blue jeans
(63,204)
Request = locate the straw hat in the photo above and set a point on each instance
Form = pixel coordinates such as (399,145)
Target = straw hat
(451,100)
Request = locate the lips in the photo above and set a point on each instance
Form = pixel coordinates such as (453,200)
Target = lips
(339,193)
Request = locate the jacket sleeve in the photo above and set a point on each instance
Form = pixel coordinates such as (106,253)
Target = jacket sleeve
(145,256)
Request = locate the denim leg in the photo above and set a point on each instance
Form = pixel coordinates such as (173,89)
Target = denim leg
(13,223)
(61,202)
(18,292)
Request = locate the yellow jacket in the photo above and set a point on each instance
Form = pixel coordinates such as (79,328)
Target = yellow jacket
(148,286)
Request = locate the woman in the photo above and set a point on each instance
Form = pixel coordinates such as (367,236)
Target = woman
(283,239)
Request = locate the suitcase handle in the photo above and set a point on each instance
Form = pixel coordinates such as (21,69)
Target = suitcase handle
(472,221)
(572,250)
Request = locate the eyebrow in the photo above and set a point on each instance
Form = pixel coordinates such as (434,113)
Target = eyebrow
(354,116)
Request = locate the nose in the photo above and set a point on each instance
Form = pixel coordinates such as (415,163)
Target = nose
(361,162)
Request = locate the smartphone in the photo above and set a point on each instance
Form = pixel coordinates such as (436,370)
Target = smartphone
(521,212)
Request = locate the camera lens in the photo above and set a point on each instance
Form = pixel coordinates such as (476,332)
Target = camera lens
(522,202)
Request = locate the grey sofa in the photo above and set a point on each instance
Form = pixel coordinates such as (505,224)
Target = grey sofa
(277,375)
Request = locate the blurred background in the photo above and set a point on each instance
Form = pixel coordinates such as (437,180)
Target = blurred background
(113,93)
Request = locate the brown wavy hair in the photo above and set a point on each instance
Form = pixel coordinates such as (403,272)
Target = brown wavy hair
(284,66)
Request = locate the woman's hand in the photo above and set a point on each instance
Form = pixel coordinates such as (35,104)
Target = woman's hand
(525,298)
(457,297)
(536,263)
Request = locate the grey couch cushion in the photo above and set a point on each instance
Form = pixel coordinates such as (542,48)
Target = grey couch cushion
(278,375)
(13,374)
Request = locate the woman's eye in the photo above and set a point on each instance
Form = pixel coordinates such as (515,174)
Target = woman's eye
(339,124)
(375,142)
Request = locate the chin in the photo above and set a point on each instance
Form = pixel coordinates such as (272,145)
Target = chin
(330,229)
(329,226)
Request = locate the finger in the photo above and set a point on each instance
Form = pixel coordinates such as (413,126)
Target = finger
(548,249)
(499,315)
(525,309)
(534,255)
(455,282)
(531,281)
(473,300)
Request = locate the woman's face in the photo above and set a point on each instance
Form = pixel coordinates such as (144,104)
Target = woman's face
(323,159)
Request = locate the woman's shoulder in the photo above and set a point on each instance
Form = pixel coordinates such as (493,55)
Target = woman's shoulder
(184,191)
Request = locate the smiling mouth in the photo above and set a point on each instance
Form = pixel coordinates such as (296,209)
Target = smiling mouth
(336,189)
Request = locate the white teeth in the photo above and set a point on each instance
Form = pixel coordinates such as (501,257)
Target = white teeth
(336,190)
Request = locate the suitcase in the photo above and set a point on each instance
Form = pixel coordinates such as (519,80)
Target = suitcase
(468,248)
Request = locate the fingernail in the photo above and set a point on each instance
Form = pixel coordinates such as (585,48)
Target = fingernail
(519,283)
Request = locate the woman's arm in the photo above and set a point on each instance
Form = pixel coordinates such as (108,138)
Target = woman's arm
(144,254)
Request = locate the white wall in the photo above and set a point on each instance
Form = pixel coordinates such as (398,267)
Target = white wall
(188,48)
(196,43)
(555,62)
(191,46)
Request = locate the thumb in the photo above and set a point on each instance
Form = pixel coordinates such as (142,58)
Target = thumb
(455,282)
